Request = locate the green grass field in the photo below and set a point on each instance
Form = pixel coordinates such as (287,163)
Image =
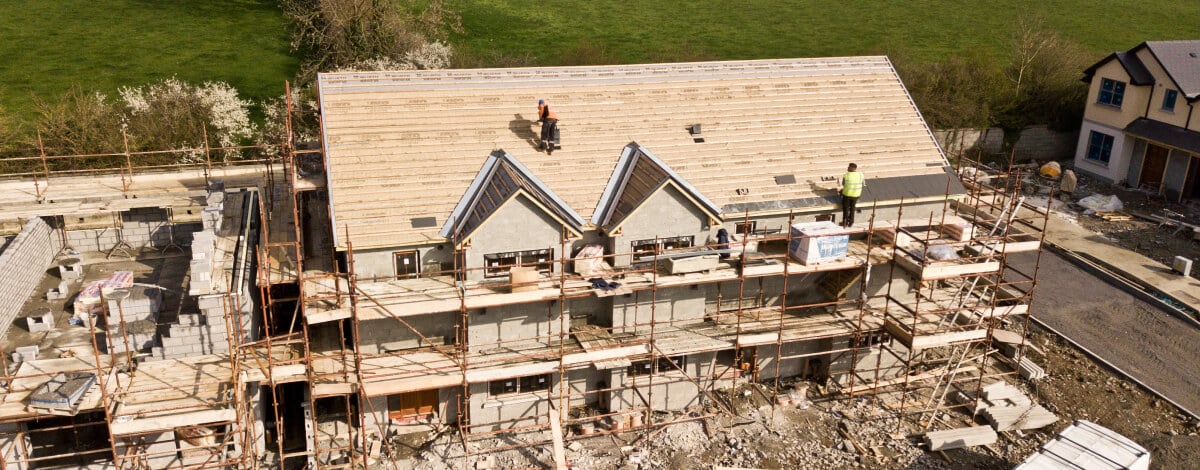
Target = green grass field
(48,46)
(641,31)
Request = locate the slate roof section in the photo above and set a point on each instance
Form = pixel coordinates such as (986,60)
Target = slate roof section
(1138,73)
(402,145)
(883,190)
(638,175)
(501,178)
(1181,60)
(1164,133)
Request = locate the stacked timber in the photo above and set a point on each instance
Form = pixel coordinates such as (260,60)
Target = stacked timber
(960,437)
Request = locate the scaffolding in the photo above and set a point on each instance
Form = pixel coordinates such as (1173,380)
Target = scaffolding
(913,351)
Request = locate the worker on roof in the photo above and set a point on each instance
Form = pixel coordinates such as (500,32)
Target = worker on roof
(853,183)
(549,122)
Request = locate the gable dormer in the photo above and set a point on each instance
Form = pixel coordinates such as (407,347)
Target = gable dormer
(647,205)
(508,218)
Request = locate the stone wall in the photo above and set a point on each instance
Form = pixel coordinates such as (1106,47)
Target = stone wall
(1034,142)
(23,262)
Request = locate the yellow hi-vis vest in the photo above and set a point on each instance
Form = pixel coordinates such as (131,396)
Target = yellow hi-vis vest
(852,184)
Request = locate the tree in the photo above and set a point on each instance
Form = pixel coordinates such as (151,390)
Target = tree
(335,34)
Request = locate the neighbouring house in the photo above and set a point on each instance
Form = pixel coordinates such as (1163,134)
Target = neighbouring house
(1140,126)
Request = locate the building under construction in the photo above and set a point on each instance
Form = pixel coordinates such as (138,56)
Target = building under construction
(427,265)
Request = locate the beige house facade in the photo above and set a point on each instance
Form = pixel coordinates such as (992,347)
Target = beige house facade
(1140,127)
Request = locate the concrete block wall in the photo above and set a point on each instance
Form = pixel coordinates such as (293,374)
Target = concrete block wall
(199,333)
(138,231)
(384,335)
(23,262)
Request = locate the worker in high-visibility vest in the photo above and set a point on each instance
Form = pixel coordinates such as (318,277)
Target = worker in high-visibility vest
(853,183)
(549,122)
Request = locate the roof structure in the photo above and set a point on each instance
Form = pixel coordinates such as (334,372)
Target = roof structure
(638,176)
(1181,60)
(404,145)
(1164,133)
(501,179)
(1138,73)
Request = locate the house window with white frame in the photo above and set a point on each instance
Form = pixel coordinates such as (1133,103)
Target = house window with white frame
(517,385)
(1169,100)
(664,364)
(1100,147)
(498,264)
(1112,92)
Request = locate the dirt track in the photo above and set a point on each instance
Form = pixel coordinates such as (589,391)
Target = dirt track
(1148,343)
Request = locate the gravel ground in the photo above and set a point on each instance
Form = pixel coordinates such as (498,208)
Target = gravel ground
(1141,339)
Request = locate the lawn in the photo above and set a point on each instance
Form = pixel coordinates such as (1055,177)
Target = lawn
(562,31)
(48,46)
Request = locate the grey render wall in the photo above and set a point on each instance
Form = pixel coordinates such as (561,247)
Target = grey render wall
(535,322)
(519,225)
(508,411)
(380,263)
(668,213)
(762,292)
(676,305)
(865,362)
(668,390)
(794,357)
(388,334)
(23,262)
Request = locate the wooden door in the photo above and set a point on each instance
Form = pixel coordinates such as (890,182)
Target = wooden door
(407,405)
(1153,166)
(407,263)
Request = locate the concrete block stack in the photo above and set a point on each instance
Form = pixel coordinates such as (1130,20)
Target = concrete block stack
(204,241)
(25,353)
(134,303)
(138,307)
(23,262)
(42,321)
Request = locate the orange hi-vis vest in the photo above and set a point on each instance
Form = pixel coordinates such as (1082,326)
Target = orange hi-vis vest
(852,184)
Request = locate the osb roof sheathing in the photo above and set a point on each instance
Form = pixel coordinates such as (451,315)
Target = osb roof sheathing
(403,145)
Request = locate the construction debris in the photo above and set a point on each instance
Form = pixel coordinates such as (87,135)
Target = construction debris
(960,438)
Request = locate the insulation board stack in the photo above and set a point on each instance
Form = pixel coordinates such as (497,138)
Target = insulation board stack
(816,242)
(88,303)
(959,231)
